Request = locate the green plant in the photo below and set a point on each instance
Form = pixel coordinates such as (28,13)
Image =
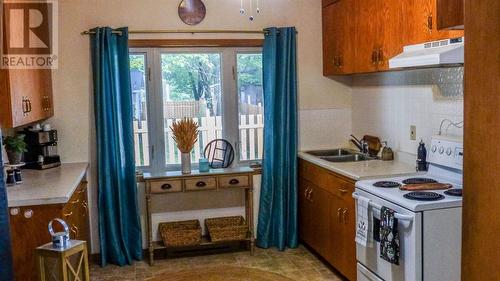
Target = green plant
(15,143)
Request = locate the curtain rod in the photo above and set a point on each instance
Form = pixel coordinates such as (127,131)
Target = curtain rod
(87,32)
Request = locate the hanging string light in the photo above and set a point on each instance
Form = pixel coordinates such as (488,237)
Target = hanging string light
(257,9)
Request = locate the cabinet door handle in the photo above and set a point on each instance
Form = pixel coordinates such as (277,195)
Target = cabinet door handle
(338,214)
(374,57)
(305,192)
(85,208)
(311,193)
(234,181)
(344,213)
(341,61)
(201,184)
(25,106)
(74,229)
(380,56)
(166,186)
(429,22)
(342,190)
(28,105)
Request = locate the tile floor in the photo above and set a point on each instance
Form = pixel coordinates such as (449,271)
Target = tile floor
(298,264)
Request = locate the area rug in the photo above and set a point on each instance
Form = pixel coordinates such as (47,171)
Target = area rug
(220,273)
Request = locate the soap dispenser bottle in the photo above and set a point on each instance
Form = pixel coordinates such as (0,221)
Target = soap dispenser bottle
(421,157)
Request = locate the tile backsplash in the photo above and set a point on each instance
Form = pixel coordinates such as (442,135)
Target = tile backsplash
(389,111)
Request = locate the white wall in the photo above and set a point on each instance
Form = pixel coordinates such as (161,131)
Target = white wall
(319,97)
(389,111)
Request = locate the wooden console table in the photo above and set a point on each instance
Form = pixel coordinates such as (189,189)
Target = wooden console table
(164,183)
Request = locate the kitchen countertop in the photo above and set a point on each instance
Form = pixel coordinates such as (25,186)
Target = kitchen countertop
(51,186)
(363,169)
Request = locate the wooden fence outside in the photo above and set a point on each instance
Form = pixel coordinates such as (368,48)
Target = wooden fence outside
(250,132)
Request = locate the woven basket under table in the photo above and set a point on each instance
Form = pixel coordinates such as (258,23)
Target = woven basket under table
(227,228)
(180,233)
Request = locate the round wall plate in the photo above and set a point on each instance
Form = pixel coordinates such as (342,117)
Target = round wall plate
(192,12)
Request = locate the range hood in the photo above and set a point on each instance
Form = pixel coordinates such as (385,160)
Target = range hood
(435,53)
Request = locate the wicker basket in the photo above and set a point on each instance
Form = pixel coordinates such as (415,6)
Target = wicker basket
(180,233)
(227,228)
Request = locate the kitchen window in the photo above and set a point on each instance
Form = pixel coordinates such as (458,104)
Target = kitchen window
(220,88)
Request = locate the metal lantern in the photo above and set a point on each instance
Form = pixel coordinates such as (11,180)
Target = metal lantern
(62,259)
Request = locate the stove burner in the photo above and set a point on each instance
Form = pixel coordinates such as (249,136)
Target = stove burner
(386,184)
(418,181)
(454,192)
(424,196)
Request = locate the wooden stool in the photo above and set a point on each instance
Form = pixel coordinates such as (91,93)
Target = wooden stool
(66,264)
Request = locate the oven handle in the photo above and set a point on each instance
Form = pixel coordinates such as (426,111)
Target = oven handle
(406,220)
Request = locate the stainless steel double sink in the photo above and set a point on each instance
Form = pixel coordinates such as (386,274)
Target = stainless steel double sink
(340,155)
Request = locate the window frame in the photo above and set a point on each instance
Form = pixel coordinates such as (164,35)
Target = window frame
(154,96)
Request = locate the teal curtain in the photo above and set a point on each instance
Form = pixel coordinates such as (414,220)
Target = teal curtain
(277,224)
(119,224)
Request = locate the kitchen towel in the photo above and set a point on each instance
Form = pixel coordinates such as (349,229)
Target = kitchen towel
(389,236)
(363,225)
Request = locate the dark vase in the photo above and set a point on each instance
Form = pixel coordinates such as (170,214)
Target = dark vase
(14,157)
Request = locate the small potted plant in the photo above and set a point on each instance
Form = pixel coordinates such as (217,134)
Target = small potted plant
(185,134)
(15,147)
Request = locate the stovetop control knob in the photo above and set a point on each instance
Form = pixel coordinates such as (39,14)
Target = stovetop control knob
(441,150)
(433,149)
(448,151)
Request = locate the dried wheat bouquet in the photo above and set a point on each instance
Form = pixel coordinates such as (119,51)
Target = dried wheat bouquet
(185,134)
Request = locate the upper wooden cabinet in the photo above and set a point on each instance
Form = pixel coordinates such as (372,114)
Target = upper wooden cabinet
(338,37)
(420,23)
(360,36)
(25,96)
(378,34)
(450,14)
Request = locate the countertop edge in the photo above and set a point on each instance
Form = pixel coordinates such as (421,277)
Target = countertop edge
(321,163)
(54,200)
(356,177)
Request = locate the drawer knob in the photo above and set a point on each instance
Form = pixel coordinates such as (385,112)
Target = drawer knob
(166,186)
(201,184)
(14,211)
(234,181)
(28,214)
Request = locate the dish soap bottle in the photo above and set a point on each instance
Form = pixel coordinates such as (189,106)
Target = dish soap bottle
(421,157)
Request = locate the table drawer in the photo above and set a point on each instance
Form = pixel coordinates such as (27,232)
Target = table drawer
(166,186)
(201,183)
(233,181)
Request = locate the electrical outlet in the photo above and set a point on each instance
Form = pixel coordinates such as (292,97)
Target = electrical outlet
(413,132)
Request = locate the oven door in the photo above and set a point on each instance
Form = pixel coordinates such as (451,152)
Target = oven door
(410,235)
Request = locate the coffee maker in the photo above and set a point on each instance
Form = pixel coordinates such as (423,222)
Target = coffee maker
(42,149)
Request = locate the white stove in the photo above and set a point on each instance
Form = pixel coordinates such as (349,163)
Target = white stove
(430,229)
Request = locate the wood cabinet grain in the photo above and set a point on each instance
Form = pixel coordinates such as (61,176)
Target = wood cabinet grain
(480,246)
(29,229)
(327,216)
(450,14)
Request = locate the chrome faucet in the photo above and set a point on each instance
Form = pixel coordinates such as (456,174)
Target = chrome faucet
(364,147)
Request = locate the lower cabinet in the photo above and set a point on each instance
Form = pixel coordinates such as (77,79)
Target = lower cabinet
(29,229)
(327,216)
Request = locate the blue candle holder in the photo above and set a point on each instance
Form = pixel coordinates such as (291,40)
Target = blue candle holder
(203,167)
